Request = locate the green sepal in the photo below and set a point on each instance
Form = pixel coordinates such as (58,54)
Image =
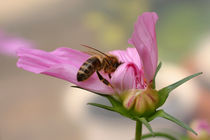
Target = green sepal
(146,123)
(164,92)
(116,105)
(159,134)
(163,114)
(102,106)
(157,70)
(119,109)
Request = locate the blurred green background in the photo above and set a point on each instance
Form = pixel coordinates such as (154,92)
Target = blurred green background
(182,23)
(39,107)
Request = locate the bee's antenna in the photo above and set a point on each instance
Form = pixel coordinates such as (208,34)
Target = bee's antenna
(94,49)
(97,51)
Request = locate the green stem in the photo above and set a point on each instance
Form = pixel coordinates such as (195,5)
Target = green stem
(159,134)
(138,130)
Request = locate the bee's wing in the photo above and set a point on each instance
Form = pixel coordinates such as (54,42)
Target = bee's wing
(93,51)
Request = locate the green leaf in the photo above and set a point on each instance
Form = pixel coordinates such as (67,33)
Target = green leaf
(113,101)
(164,92)
(163,114)
(157,70)
(159,134)
(118,109)
(102,106)
(146,123)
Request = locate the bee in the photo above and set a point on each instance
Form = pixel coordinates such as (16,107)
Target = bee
(98,61)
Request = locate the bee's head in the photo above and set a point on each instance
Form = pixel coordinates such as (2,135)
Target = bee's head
(114,63)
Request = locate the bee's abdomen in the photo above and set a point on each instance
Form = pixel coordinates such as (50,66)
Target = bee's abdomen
(88,68)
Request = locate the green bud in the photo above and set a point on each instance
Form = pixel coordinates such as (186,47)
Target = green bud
(129,98)
(143,102)
(146,102)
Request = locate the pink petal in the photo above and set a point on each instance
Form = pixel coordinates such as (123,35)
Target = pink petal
(9,44)
(62,63)
(128,55)
(126,77)
(144,39)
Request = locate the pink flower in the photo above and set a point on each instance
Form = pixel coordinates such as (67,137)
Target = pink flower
(9,44)
(136,71)
(144,39)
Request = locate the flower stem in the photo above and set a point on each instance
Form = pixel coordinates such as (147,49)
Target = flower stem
(159,134)
(138,130)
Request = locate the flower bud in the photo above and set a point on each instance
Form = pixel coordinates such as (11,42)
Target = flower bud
(143,102)
(129,98)
(146,102)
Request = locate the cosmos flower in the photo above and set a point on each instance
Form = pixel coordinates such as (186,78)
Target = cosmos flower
(136,71)
(132,92)
(10,44)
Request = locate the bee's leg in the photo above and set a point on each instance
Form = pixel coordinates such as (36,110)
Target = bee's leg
(109,75)
(106,82)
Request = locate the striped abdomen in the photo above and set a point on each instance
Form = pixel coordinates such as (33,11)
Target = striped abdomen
(88,68)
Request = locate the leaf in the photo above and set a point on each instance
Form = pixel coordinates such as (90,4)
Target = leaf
(112,100)
(163,114)
(164,92)
(146,123)
(102,106)
(118,109)
(159,134)
(115,103)
(157,70)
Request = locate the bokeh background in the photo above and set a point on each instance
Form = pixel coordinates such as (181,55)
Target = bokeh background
(38,107)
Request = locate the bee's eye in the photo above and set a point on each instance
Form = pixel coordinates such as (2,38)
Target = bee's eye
(116,65)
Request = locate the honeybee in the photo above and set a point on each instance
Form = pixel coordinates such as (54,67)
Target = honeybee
(98,61)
